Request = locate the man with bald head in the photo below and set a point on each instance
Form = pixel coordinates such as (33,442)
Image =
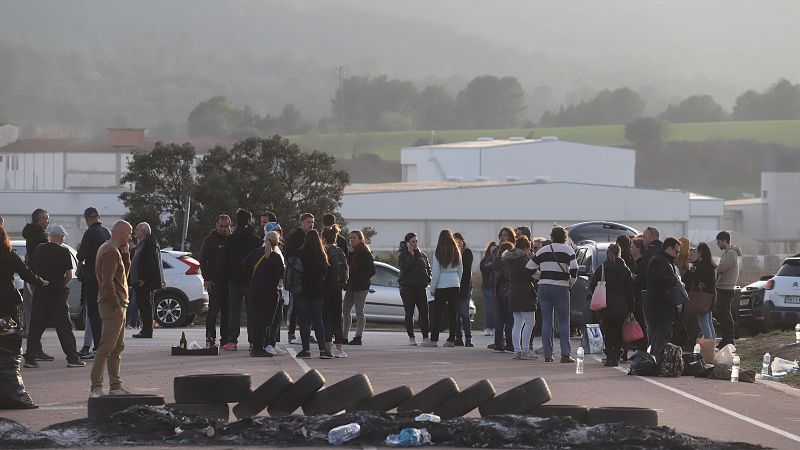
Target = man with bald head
(112,266)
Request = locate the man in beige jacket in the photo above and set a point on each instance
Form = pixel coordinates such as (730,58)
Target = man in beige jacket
(727,277)
(112,267)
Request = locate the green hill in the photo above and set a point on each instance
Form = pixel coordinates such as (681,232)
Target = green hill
(387,145)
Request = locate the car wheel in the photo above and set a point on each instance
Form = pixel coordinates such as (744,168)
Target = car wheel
(264,396)
(170,310)
(577,412)
(769,324)
(339,396)
(102,407)
(429,398)
(213,411)
(467,400)
(385,401)
(635,416)
(212,388)
(518,400)
(298,394)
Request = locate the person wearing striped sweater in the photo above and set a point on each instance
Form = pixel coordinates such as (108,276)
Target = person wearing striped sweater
(559,270)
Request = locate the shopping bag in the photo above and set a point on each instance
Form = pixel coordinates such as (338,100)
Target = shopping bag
(631,330)
(599,294)
(707,347)
(593,339)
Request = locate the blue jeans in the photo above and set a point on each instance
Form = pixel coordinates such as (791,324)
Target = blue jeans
(555,298)
(706,323)
(309,310)
(462,319)
(489,301)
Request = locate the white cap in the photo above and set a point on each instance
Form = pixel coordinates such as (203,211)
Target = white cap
(58,230)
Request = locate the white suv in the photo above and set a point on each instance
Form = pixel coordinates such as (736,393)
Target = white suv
(782,295)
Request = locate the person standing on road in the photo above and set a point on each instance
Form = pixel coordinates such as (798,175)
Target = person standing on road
(238,245)
(328,222)
(521,297)
(294,243)
(147,276)
(211,268)
(310,299)
(659,313)
(487,288)
(92,239)
(504,319)
(415,275)
(55,264)
(464,294)
(266,268)
(727,277)
(34,234)
(559,270)
(619,301)
(273,332)
(362,269)
(639,286)
(112,269)
(335,283)
(703,277)
(446,272)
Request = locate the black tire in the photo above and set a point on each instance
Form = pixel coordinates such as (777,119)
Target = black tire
(339,397)
(466,400)
(212,388)
(518,400)
(264,396)
(635,416)
(170,309)
(429,398)
(385,401)
(577,412)
(213,411)
(298,394)
(100,408)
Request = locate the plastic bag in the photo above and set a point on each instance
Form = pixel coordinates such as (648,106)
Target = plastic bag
(725,355)
(782,366)
(631,330)
(644,364)
(599,295)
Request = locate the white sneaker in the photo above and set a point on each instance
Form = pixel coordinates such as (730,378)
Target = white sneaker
(279,351)
(119,391)
(529,356)
(412,341)
(339,354)
(271,350)
(539,351)
(487,332)
(96,392)
(296,341)
(429,343)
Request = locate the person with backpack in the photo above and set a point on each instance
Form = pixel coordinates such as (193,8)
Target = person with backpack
(415,275)
(446,272)
(309,301)
(619,301)
(265,265)
(334,284)
(659,313)
(362,269)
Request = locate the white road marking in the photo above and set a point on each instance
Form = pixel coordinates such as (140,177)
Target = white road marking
(59,408)
(299,361)
(721,409)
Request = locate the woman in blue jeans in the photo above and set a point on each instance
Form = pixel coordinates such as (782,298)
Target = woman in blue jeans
(310,300)
(703,277)
(488,290)
(559,270)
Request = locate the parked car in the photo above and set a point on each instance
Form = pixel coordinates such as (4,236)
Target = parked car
(383,299)
(589,255)
(782,296)
(599,231)
(174,306)
(751,307)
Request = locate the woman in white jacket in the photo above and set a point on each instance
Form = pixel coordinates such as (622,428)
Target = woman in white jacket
(445,285)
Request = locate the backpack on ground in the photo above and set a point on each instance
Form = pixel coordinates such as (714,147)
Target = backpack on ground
(293,276)
(671,361)
(338,261)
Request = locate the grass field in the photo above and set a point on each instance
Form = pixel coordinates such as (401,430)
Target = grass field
(387,145)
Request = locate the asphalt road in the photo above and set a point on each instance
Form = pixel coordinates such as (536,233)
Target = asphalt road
(755,413)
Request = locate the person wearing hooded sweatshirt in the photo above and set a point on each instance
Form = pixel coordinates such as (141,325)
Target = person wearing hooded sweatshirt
(147,275)
(659,313)
(521,298)
(619,301)
(727,276)
(238,245)
(415,275)
(34,233)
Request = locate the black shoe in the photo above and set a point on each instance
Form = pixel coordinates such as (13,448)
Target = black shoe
(325,355)
(548,360)
(567,360)
(305,354)
(260,353)
(468,343)
(88,356)
(75,363)
(312,339)
(85,350)
(19,404)
(490,346)
(345,342)
(30,363)
(143,335)
(356,341)
(499,349)
(459,343)
(42,356)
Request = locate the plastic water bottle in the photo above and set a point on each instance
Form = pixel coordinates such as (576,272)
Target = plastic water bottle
(765,364)
(409,437)
(427,417)
(797,334)
(735,369)
(579,361)
(344,433)
(697,349)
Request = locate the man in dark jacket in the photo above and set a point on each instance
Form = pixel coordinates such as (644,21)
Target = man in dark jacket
(237,246)
(293,244)
(211,267)
(146,275)
(92,239)
(415,276)
(328,221)
(662,275)
(34,234)
(652,247)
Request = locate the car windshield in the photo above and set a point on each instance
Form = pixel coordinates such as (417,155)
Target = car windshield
(790,269)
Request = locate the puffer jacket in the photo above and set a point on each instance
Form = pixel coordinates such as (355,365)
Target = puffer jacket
(445,277)
(415,270)
(520,281)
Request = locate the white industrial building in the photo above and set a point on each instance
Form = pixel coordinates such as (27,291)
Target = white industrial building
(545,159)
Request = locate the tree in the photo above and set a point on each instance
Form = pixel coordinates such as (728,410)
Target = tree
(436,109)
(158,184)
(646,132)
(360,101)
(490,102)
(606,108)
(169,129)
(779,101)
(218,117)
(697,108)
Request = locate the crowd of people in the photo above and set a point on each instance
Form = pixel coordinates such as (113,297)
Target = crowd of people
(315,278)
